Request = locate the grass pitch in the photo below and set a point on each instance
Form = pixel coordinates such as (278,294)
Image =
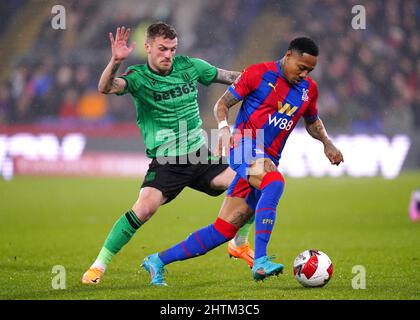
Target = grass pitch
(46,222)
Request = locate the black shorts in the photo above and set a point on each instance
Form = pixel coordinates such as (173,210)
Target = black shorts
(172,175)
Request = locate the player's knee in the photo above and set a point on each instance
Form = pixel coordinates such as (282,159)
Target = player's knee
(223,180)
(260,167)
(144,210)
(269,165)
(273,177)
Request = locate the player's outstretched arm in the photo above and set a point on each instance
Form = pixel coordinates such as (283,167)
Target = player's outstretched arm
(317,130)
(221,113)
(226,76)
(108,83)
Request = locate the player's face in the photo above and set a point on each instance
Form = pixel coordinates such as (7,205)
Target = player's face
(297,66)
(160,53)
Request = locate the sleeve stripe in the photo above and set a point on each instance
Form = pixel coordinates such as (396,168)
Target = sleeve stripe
(237,96)
(311,119)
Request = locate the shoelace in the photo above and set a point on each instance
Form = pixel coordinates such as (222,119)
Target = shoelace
(269,259)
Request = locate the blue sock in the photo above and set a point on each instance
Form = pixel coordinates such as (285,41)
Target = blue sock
(200,242)
(265,215)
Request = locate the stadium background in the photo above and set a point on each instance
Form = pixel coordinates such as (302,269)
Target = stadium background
(53,122)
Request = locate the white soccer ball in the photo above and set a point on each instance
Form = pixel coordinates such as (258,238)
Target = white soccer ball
(312,268)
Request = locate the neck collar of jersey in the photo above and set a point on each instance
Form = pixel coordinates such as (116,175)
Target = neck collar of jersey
(157,73)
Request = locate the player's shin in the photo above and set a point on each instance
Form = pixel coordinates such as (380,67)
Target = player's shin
(272,187)
(121,233)
(241,236)
(200,242)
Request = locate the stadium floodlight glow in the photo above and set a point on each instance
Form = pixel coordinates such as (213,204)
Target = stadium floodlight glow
(364,156)
(38,147)
(23,144)
(72,146)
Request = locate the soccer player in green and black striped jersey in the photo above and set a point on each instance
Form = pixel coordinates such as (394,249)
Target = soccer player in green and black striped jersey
(164,91)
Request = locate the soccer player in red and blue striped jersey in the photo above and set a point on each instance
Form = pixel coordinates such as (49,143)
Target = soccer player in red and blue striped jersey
(275,96)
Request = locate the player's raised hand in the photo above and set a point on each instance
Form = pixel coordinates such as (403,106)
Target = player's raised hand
(120,51)
(225,141)
(333,154)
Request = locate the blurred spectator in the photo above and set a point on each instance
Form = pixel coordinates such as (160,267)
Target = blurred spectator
(92,106)
(366,77)
(8,8)
(5,104)
(68,107)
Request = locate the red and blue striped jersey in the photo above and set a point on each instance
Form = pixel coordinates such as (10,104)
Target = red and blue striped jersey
(272,104)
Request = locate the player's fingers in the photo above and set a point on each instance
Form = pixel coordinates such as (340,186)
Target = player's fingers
(117,34)
(225,148)
(111,38)
(122,33)
(127,34)
(338,159)
(217,149)
(231,142)
(221,149)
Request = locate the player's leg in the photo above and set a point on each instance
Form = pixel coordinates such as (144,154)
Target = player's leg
(161,185)
(149,200)
(263,175)
(222,182)
(414,208)
(239,247)
(233,214)
(213,181)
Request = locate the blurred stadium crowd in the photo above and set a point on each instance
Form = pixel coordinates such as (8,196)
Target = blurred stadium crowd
(368,79)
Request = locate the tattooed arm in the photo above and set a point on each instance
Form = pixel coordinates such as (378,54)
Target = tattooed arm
(226,77)
(108,83)
(221,113)
(317,130)
(222,106)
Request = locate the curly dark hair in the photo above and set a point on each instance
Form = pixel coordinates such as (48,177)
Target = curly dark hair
(304,45)
(161,29)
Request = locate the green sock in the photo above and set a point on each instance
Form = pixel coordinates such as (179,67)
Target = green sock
(122,231)
(241,236)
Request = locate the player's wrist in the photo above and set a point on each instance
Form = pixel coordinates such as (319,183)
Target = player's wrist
(327,141)
(116,60)
(223,124)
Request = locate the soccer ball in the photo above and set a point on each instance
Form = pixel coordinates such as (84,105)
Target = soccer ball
(312,268)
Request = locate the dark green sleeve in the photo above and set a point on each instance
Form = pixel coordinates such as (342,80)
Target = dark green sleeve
(206,72)
(131,78)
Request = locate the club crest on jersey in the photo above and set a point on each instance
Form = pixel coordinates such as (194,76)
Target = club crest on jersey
(305,94)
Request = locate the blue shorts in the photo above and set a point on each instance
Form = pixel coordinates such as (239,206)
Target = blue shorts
(240,188)
(244,154)
(240,160)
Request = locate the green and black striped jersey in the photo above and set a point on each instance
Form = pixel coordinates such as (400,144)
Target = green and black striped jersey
(167,108)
